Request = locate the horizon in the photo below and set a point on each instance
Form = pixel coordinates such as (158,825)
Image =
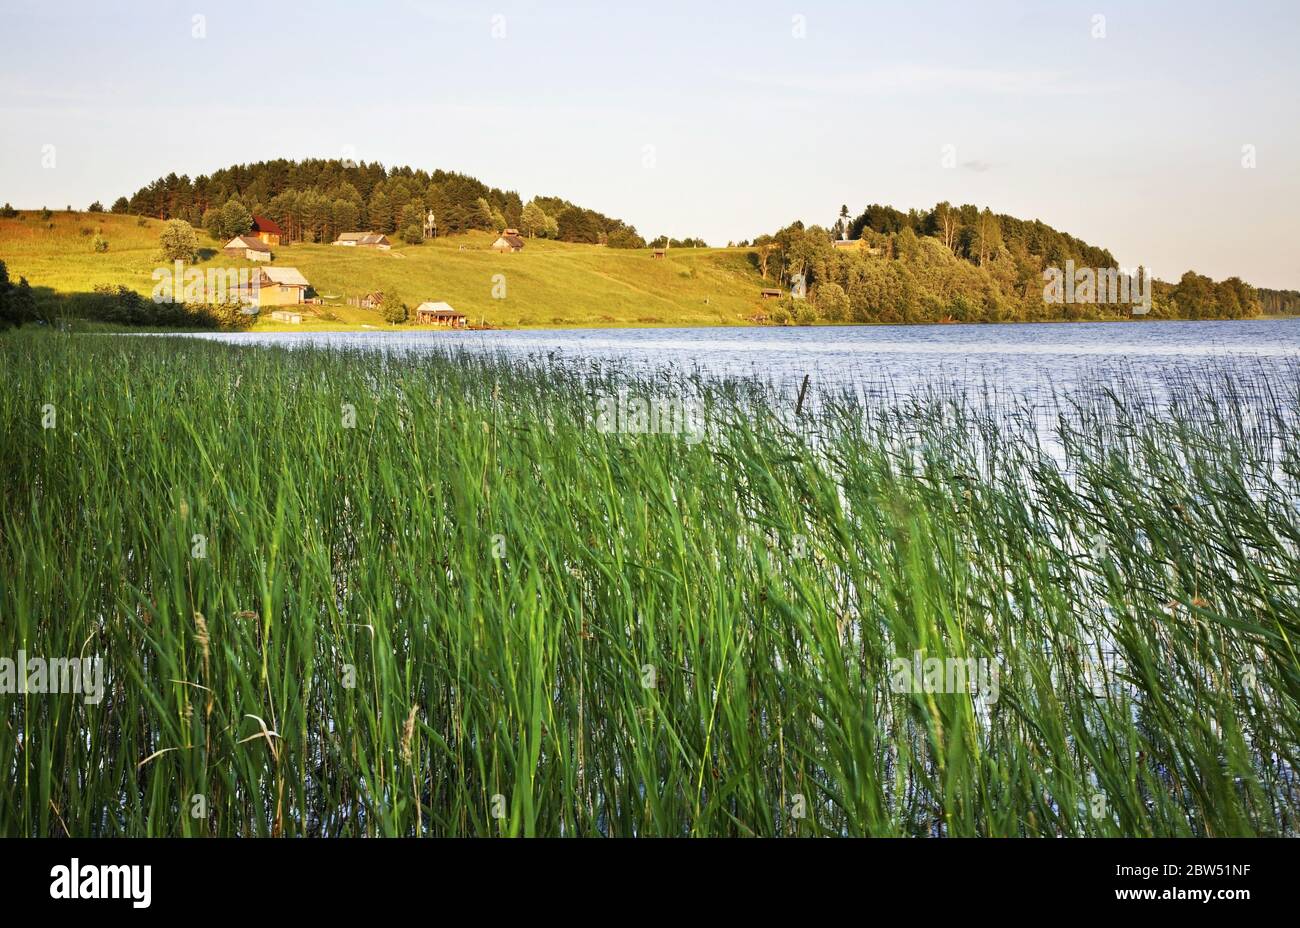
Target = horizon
(721,123)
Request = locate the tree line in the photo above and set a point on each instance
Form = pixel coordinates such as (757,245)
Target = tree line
(316,199)
(961,264)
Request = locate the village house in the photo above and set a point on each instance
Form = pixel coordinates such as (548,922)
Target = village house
(281,286)
(266,230)
(509,241)
(372,300)
(439,314)
(364,240)
(247,246)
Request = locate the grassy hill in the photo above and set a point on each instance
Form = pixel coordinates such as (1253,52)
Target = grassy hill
(547,284)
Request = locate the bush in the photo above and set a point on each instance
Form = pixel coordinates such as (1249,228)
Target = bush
(412,235)
(7,211)
(179,241)
(780,316)
(805,316)
(392,309)
(833,302)
(100,244)
(45,213)
(95,207)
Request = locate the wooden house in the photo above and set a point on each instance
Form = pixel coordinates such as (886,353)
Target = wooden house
(657,253)
(247,246)
(364,240)
(266,230)
(509,241)
(281,286)
(439,314)
(770,293)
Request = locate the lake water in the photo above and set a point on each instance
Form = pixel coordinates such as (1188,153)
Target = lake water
(1017,359)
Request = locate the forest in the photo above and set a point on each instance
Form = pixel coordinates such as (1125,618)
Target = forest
(963,264)
(316,199)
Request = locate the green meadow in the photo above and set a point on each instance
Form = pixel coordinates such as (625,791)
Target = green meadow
(547,284)
(359,594)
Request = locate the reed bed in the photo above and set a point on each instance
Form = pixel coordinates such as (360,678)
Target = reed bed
(470,611)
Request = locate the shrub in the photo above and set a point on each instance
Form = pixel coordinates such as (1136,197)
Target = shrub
(179,241)
(99,243)
(95,207)
(780,316)
(412,235)
(45,213)
(805,316)
(393,309)
(7,211)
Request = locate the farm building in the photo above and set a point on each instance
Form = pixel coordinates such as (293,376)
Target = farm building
(284,315)
(266,230)
(508,242)
(281,286)
(371,300)
(439,314)
(247,246)
(657,253)
(364,240)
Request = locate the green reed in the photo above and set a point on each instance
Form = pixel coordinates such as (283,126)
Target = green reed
(466,610)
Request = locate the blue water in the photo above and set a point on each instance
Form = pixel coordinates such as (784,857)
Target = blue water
(1025,358)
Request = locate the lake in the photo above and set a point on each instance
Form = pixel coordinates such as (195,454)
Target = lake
(1026,359)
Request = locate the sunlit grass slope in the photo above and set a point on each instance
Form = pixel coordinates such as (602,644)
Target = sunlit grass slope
(547,284)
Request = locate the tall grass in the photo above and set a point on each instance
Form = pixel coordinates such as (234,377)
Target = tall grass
(474,613)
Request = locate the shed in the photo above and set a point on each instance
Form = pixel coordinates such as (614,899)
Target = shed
(770,293)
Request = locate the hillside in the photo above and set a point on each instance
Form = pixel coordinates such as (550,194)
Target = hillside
(547,284)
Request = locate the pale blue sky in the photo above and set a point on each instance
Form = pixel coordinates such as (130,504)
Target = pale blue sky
(1132,141)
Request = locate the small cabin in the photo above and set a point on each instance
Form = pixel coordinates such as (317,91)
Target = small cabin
(509,241)
(247,247)
(372,300)
(658,253)
(267,231)
(440,314)
(770,293)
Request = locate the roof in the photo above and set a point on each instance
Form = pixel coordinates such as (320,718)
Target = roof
(255,244)
(285,276)
(363,238)
(262,224)
(514,241)
(438,309)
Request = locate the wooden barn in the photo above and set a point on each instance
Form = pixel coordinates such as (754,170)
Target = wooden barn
(364,240)
(248,247)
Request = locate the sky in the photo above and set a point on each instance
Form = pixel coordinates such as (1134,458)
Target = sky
(1136,131)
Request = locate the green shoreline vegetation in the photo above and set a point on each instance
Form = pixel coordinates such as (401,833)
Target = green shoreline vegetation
(342,593)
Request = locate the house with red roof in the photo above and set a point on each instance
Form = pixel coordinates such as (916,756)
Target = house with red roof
(267,230)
